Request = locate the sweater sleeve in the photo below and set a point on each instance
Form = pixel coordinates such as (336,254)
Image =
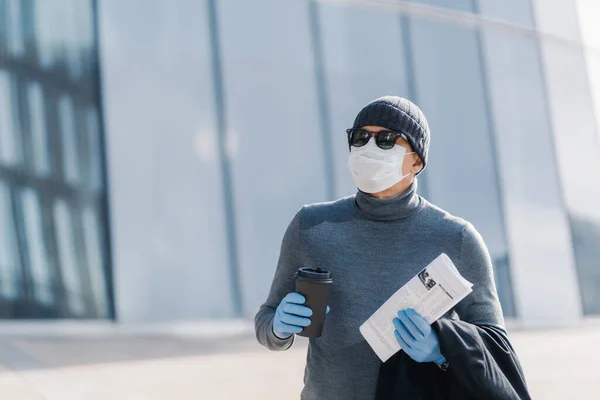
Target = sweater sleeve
(283,283)
(482,306)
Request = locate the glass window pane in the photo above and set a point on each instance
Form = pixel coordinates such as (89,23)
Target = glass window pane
(15,22)
(577,148)
(71,35)
(518,12)
(94,141)
(84,25)
(49,20)
(276,155)
(457,5)
(587,13)
(3,25)
(537,226)
(186,228)
(557,18)
(36,246)
(593,68)
(9,122)
(68,139)
(359,67)
(39,140)
(95,264)
(67,258)
(10,277)
(462,155)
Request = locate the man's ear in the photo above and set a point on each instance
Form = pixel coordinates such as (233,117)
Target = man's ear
(417,166)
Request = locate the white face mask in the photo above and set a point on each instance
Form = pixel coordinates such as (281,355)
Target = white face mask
(374,169)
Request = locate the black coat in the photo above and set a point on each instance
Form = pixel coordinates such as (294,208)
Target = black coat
(483,365)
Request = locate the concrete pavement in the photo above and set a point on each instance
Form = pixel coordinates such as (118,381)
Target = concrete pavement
(559,364)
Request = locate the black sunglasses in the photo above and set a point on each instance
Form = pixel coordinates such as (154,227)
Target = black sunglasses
(385,140)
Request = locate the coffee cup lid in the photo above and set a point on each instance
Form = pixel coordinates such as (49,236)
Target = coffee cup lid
(314,274)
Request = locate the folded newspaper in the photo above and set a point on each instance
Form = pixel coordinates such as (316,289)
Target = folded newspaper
(432,293)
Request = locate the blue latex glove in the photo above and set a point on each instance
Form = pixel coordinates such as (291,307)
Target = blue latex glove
(290,316)
(417,338)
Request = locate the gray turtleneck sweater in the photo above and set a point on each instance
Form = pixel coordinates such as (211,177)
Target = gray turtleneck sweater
(373,247)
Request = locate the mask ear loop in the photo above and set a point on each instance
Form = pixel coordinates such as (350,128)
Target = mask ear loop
(412,152)
(404,176)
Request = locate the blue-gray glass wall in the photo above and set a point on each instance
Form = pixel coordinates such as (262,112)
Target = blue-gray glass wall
(52,231)
(223,117)
(235,114)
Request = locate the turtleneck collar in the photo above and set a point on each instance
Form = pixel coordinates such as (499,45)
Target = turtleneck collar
(394,208)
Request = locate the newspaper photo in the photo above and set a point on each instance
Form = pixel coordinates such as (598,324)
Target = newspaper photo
(431,293)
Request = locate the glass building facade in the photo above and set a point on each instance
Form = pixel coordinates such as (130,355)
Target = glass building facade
(221,118)
(53,249)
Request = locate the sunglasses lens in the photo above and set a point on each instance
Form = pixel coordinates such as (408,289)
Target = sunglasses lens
(359,137)
(386,140)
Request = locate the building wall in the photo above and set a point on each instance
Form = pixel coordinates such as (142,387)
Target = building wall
(585,195)
(223,117)
(170,243)
(506,89)
(53,237)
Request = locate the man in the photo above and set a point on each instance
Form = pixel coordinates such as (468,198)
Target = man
(374,242)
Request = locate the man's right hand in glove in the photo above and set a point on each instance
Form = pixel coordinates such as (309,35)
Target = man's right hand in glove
(291,316)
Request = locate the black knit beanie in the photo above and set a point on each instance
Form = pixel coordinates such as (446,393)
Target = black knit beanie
(399,115)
